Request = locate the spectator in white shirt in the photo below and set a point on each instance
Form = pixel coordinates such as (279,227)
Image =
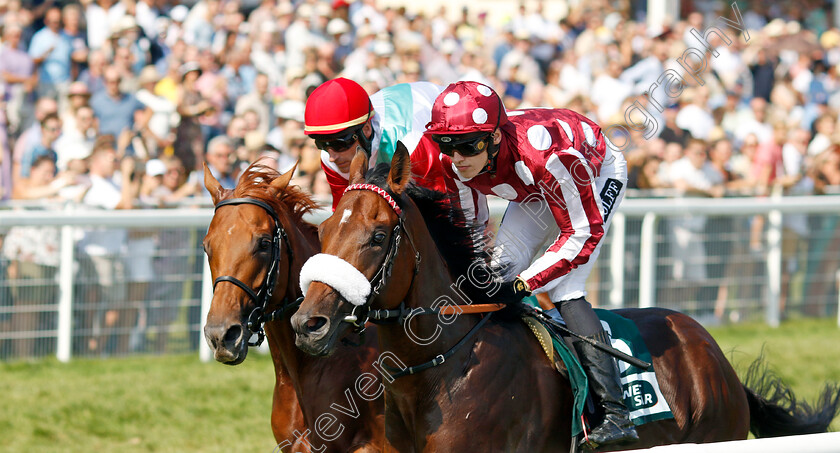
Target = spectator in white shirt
(77,143)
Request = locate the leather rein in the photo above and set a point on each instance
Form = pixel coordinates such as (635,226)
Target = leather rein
(400,314)
(262,295)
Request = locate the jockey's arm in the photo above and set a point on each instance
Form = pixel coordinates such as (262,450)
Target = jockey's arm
(574,206)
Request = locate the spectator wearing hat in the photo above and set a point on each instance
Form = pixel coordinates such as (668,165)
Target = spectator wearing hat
(128,35)
(161,112)
(189,138)
(51,50)
(356,63)
(77,143)
(175,29)
(114,108)
(380,72)
(78,95)
(289,114)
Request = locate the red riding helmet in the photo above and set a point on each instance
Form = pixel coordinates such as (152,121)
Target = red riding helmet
(336,105)
(466,107)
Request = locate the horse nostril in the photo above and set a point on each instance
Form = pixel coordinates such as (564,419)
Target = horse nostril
(314,324)
(233,334)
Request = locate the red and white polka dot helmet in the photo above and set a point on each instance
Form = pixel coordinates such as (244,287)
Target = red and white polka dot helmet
(466,107)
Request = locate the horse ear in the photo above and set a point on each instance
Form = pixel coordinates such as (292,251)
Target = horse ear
(213,186)
(282,181)
(400,173)
(358,168)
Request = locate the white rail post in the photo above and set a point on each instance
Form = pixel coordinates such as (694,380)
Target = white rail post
(65,296)
(619,232)
(647,261)
(774,267)
(204,352)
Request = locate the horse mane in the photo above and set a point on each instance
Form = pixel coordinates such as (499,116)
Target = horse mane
(256,181)
(460,243)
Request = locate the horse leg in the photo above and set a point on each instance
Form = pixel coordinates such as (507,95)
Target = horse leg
(702,389)
(286,417)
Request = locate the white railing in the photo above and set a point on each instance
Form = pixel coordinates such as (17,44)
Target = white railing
(812,443)
(650,211)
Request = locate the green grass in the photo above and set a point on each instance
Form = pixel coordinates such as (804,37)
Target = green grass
(804,353)
(177,404)
(158,404)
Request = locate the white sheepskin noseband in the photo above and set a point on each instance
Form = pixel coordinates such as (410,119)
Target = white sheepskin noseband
(337,273)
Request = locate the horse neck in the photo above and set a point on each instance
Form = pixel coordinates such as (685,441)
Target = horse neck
(432,287)
(288,359)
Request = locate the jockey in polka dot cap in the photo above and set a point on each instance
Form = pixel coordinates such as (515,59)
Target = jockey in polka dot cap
(343,119)
(563,179)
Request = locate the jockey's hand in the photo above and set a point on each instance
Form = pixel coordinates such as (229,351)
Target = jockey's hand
(520,288)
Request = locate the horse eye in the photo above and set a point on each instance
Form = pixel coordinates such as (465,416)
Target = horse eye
(378,237)
(265,244)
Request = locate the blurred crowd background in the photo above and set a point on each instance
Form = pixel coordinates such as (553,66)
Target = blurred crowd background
(168,87)
(119,104)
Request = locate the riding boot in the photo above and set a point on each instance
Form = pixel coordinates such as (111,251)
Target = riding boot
(605,384)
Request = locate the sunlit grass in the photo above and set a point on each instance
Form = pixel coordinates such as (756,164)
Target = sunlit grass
(177,404)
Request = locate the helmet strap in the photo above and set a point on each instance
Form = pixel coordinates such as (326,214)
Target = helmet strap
(492,153)
(365,142)
(492,147)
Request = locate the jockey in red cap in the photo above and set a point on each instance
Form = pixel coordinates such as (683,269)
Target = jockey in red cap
(563,179)
(342,119)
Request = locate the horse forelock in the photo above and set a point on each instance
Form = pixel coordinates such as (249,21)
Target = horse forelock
(459,242)
(256,181)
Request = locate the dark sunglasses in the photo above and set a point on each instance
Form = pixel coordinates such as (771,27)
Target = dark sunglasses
(337,144)
(466,146)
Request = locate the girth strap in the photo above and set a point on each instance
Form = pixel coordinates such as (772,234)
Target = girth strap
(440,358)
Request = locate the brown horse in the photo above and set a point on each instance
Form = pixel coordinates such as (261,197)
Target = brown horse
(490,388)
(256,244)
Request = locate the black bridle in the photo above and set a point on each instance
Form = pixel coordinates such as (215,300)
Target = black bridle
(263,294)
(378,282)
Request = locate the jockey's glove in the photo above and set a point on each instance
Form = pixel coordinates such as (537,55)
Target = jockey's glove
(520,288)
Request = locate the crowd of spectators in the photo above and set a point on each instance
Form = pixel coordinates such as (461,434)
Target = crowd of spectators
(164,79)
(120,104)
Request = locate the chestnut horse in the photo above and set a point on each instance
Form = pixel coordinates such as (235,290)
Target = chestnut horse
(256,261)
(474,387)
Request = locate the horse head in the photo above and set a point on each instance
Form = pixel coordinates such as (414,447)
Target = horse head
(363,246)
(250,256)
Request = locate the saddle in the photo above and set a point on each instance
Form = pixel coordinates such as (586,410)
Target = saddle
(642,395)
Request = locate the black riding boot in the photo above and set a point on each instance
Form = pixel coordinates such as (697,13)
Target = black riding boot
(605,384)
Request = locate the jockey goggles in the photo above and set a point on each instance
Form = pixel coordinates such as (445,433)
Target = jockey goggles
(467,145)
(338,144)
